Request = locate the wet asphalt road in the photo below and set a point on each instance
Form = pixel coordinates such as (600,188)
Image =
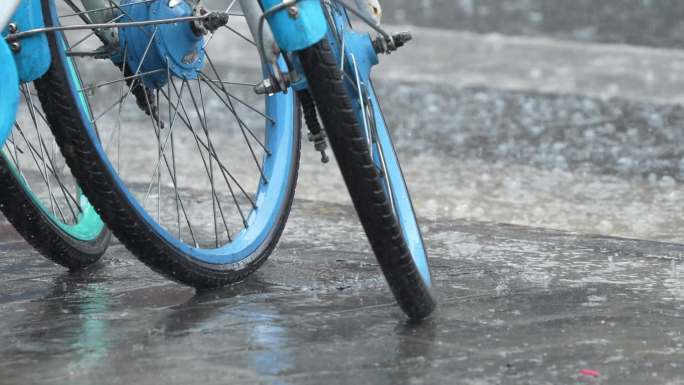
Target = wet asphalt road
(512,170)
(517,305)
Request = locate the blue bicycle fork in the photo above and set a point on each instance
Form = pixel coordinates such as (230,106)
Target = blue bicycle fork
(298,24)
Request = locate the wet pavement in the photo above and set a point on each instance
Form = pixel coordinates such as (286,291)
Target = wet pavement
(548,176)
(516,305)
(640,22)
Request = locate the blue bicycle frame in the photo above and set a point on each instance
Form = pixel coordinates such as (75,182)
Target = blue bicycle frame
(299,24)
(26,62)
(9,86)
(9,91)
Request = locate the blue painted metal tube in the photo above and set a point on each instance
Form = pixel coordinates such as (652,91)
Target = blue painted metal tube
(33,59)
(298,30)
(9,91)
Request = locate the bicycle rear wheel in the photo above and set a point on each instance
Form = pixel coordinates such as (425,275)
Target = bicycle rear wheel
(191,170)
(40,197)
(361,142)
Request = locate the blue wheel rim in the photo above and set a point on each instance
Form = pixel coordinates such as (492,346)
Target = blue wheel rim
(400,194)
(359,47)
(271,197)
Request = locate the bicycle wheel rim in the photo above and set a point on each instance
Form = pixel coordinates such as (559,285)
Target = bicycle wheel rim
(86,228)
(30,155)
(270,197)
(382,146)
(399,192)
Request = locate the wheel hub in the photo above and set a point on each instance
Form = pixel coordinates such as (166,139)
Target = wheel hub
(176,49)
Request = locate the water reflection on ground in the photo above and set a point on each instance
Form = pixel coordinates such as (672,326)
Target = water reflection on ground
(516,304)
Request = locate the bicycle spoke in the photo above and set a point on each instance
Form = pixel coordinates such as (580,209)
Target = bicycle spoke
(92,33)
(7,150)
(171,170)
(230,6)
(117,128)
(157,132)
(174,181)
(32,113)
(199,144)
(52,167)
(223,88)
(173,151)
(33,152)
(187,162)
(159,156)
(363,105)
(241,123)
(249,144)
(231,96)
(77,11)
(103,9)
(232,83)
(203,122)
(111,82)
(123,12)
(370,127)
(166,140)
(245,38)
(107,110)
(202,117)
(17,150)
(224,171)
(122,101)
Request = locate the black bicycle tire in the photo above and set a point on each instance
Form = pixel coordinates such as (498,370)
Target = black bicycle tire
(349,144)
(111,203)
(35,226)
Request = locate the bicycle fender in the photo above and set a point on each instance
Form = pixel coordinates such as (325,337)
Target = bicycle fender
(299,26)
(33,58)
(9,91)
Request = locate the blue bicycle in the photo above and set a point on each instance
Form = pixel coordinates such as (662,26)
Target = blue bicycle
(181,121)
(38,194)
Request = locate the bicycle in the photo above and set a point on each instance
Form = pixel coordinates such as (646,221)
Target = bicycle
(174,63)
(37,195)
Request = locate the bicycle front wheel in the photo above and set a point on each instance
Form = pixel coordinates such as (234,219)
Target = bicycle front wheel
(192,170)
(362,145)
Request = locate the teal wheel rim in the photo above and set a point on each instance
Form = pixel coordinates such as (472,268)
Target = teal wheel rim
(87,226)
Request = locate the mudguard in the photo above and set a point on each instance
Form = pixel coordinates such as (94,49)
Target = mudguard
(9,91)
(33,58)
(299,26)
